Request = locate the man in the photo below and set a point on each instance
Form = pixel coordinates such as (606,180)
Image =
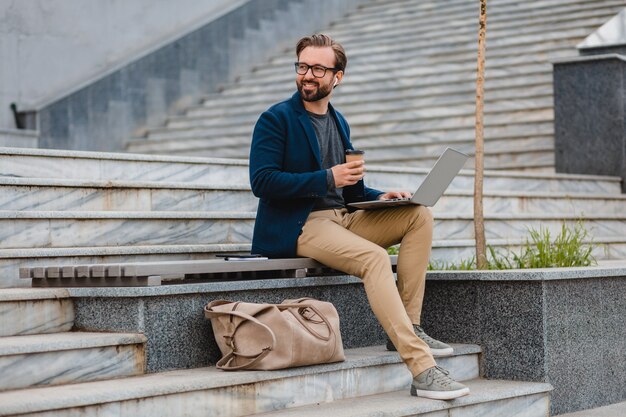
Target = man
(298,170)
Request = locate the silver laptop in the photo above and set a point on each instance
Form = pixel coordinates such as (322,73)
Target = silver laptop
(436,182)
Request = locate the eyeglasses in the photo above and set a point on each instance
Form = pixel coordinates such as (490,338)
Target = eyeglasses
(318,71)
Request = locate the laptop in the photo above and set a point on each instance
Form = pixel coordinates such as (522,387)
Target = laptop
(431,189)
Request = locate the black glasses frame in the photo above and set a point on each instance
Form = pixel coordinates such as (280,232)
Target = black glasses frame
(297,66)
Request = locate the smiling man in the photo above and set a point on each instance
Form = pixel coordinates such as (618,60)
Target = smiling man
(298,170)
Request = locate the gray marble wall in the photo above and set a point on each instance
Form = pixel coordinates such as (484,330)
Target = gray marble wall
(103,115)
(176,323)
(566,332)
(589,114)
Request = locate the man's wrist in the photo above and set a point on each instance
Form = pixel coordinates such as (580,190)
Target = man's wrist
(330,180)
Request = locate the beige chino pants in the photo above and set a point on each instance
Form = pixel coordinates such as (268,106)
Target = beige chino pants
(356,243)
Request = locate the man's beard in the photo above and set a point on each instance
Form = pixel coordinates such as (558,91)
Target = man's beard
(318,94)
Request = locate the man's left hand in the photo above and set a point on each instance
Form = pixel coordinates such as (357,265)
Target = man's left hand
(394,194)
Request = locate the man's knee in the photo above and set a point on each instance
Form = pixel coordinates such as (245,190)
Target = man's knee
(422,216)
(377,258)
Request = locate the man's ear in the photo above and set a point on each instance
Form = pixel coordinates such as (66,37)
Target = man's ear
(338,77)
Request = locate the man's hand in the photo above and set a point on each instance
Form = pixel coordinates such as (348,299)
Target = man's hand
(394,194)
(348,174)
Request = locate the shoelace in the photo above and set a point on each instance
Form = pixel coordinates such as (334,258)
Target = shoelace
(440,377)
(422,335)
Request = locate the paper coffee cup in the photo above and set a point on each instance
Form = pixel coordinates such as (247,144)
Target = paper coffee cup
(354,155)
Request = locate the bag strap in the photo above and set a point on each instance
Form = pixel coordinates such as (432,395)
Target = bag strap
(225,362)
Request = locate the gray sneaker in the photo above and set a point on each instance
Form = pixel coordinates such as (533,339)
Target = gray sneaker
(435,383)
(437,348)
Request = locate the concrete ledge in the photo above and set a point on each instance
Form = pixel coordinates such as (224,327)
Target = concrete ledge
(561,326)
(545,274)
(27,294)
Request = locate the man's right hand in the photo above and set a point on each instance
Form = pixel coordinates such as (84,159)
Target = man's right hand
(348,174)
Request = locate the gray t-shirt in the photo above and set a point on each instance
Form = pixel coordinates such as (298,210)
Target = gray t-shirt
(331,153)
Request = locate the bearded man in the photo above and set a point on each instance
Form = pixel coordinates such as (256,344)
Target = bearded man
(298,170)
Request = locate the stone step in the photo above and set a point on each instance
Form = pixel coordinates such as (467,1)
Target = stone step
(281,69)
(501,8)
(495,78)
(68,229)
(487,398)
(354,107)
(209,391)
(439,133)
(423,145)
(516,158)
(503,22)
(74,195)
(451,35)
(96,166)
(441,51)
(503,17)
(396,6)
(394,112)
(437,62)
(495,88)
(69,357)
(55,229)
(101,166)
(19,138)
(408,30)
(537,135)
(507,121)
(35,311)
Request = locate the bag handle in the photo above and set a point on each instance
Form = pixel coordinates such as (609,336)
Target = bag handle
(303,320)
(225,362)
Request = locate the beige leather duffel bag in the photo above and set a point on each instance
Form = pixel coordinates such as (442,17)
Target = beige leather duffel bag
(275,336)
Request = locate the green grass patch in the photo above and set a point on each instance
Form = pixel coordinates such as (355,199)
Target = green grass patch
(540,250)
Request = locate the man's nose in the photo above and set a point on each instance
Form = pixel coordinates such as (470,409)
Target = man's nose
(309,71)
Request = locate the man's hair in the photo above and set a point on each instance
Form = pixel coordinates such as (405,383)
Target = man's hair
(319,40)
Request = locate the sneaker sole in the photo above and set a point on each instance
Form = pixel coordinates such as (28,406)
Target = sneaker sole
(434,352)
(442,352)
(439,395)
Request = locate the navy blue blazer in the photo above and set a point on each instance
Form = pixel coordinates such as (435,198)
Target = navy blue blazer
(286,174)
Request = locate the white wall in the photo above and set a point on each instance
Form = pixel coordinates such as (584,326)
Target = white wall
(50,46)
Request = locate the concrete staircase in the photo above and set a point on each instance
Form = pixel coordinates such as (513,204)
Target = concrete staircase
(49,370)
(64,207)
(67,207)
(409,89)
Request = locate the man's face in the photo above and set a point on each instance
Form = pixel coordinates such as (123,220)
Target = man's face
(310,87)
